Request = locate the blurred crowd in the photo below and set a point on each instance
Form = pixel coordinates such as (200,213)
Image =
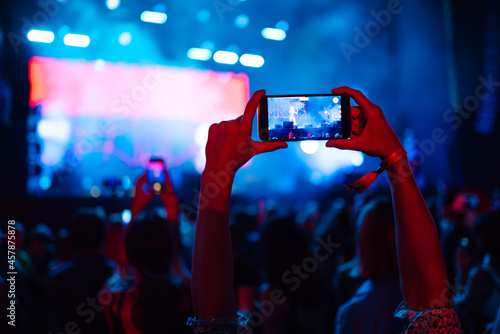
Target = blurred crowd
(315,269)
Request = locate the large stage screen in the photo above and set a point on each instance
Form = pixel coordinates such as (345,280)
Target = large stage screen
(97,123)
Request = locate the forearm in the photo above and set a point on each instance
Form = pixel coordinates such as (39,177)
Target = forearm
(212,272)
(420,257)
(172,212)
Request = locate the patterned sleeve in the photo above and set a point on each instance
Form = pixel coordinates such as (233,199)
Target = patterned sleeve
(432,321)
(219,325)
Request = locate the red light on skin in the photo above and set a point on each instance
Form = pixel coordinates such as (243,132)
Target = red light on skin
(246,296)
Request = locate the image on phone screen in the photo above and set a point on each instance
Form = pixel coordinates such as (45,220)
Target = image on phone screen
(306,117)
(156,171)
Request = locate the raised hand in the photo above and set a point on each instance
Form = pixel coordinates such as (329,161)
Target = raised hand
(230,144)
(143,194)
(229,147)
(370,133)
(169,200)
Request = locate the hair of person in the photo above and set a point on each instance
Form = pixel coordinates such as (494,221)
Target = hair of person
(41,231)
(87,229)
(284,247)
(148,245)
(376,241)
(487,228)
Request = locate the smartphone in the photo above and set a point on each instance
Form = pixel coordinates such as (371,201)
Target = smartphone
(156,173)
(304,117)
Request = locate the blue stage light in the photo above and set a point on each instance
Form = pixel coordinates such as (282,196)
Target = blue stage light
(309,147)
(283,25)
(81,41)
(126,182)
(251,60)
(45,182)
(208,45)
(241,21)
(154,17)
(125,38)
(199,54)
(203,16)
(112,4)
(274,34)
(95,191)
(40,36)
(87,182)
(357,159)
(57,129)
(126,216)
(226,57)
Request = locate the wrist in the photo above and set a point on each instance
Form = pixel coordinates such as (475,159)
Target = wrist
(223,178)
(221,166)
(215,189)
(363,183)
(398,167)
(169,198)
(400,172)
(392,144)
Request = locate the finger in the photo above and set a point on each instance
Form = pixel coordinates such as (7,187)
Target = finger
(357,127)
(212,131)
(344,144)
(355,112)
(251,108)
(142,179)
(356,95)
(356,131)
(261,147)
(233,123)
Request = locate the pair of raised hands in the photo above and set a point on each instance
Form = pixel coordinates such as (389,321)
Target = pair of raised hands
(143,194)
(230,144)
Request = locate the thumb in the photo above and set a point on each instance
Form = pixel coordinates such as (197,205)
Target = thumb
(261,147)
(343,144)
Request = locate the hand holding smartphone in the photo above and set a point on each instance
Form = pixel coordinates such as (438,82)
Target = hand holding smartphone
(304,117)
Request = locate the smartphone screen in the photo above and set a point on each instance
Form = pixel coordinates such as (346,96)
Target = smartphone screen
(156,171)
(304,117)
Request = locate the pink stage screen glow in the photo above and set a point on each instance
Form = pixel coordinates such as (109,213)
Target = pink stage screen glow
(99,121)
